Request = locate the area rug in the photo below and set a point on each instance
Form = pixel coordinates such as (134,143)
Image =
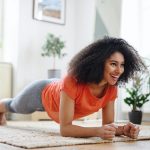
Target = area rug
(45,134)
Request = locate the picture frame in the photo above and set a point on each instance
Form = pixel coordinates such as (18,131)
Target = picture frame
(52,11)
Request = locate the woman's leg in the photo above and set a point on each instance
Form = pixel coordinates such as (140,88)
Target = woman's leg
(28,101)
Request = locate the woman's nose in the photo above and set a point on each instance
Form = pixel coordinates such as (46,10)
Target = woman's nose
(119,70)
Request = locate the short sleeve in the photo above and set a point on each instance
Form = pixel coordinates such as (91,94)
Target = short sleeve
(69,85)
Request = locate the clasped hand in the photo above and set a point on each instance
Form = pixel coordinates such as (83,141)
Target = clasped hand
(131,130)
(110,130)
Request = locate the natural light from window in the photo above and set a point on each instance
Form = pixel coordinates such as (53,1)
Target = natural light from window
(135,27)
(1,27)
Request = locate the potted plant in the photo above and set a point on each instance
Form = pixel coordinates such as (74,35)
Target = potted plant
(137,97)
(53,48)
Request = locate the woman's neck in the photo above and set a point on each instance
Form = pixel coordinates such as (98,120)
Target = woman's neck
(97,90)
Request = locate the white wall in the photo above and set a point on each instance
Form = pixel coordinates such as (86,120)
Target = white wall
(84,23)
(24,37)
(32,34)
(11,33)
(110,12)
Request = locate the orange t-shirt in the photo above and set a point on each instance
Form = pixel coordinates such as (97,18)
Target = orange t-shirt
(85,102)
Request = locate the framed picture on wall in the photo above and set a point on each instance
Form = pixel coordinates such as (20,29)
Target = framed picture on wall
(50,11)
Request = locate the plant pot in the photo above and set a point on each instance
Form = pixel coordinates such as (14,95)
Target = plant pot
(54,73)
(135,117)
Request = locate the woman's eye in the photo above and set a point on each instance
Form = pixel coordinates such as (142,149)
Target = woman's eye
(122,65)
(113,64)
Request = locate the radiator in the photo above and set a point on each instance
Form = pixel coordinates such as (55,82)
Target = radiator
(5,80)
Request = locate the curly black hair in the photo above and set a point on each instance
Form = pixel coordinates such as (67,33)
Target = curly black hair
(87,66)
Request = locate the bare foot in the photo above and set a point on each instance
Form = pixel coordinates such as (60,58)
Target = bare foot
(2,119)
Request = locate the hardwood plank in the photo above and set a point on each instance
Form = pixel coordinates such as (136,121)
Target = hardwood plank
(138,145)
(9,147)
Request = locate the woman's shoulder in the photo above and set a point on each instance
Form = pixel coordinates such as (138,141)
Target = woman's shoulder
(70,85)
(69,79)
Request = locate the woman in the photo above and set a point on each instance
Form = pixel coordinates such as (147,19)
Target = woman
(90,84)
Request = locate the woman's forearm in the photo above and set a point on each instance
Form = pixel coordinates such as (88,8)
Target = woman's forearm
(78,131)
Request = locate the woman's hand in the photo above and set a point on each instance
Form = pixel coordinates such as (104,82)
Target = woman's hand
(131,130)
(107,131)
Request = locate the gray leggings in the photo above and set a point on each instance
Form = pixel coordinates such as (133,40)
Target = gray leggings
(29,100)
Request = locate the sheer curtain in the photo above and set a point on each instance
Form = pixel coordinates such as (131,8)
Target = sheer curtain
(1,27)
(135,28)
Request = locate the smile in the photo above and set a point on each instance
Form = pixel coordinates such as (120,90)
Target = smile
(115,78)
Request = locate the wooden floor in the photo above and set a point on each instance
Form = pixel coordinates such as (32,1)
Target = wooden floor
(138,145)
(135,145)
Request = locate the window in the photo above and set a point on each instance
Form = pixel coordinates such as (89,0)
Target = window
(1,24)
(136,31)
(1,27)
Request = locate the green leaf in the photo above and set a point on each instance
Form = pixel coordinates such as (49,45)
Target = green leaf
(136,98)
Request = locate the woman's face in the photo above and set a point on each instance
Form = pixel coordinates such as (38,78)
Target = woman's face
(113,68)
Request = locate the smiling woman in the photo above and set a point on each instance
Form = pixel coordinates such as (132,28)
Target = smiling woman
(114,67)
(89,85)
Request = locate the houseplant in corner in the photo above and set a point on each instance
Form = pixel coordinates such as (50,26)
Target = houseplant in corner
(53,47)
(138,97)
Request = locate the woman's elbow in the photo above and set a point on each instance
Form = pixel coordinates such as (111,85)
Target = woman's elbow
(63,132)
